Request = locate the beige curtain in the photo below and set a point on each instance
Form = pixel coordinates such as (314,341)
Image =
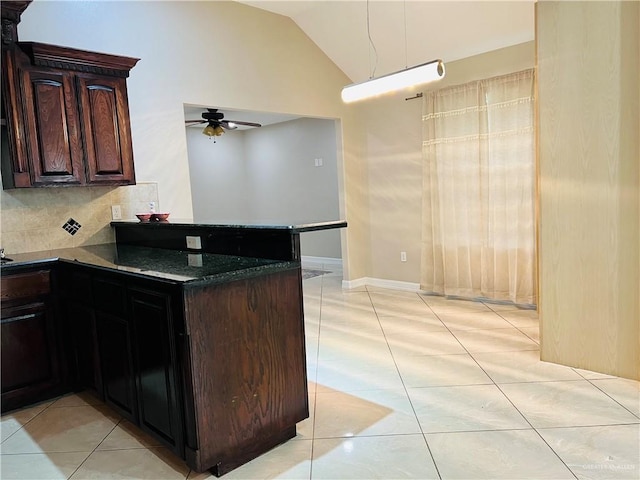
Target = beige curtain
(478,190)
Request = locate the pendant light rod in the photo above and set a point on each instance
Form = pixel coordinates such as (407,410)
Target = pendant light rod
(371,46)
(406,50)
(418,75)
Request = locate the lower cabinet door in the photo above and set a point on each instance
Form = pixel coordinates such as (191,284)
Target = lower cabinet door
(82,323)
(154,349)
(30,366)
(118,380)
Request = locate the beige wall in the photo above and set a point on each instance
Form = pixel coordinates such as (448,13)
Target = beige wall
(589,180)
(248,66)
(394,156)
(221,54)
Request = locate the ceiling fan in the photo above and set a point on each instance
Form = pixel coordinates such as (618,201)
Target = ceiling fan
(216,123)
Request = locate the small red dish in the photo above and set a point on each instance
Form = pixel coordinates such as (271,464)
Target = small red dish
(160,217)
(144,217)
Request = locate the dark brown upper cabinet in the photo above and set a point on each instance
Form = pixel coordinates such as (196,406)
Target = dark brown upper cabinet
(107,134)
(51,129)
(66,115)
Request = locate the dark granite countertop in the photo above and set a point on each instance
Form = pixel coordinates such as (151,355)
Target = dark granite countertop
(169,265)
(294,227)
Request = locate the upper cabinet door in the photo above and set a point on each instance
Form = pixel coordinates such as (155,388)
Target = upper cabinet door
(52,132)
(107,132)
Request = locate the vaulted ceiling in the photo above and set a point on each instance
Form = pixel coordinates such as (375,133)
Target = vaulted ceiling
(405,32)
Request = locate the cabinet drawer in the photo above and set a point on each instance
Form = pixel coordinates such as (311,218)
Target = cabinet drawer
(25,285)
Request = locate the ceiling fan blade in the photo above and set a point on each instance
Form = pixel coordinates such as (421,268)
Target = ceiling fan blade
(247,124)
(194,122)
(228,125)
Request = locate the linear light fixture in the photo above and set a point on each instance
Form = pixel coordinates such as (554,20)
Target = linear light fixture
(425,73)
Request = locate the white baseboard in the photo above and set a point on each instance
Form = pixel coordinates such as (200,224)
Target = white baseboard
(382,283)
(321,262)
(350,284)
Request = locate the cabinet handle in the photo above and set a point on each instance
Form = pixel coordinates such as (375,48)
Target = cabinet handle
(17,319)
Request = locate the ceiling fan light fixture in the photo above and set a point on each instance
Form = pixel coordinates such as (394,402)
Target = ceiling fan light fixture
(209,131)
(409,77)
(231,125)
(213,130)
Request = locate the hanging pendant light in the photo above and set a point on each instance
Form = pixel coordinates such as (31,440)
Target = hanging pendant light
(418,75)
(409,77)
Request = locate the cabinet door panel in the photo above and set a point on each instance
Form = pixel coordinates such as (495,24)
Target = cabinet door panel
(107,140)
(117,367)
(53,138)
(155,360)
(85,345)
(109,295)
(29,355)
(26,351)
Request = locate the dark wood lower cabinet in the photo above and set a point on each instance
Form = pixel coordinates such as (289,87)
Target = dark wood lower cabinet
(30,353)
(122,335)
(216,372)
(116,359)
(246,378)
(159,404)
(83,339)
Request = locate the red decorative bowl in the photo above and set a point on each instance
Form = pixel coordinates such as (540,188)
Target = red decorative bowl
(144,217)
(160,217)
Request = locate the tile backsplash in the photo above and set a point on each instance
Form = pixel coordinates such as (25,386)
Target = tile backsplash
(33,219)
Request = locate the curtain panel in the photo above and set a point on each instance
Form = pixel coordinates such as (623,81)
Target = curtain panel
(478,224)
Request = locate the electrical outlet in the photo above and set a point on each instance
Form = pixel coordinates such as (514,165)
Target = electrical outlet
(194,259)
(116,212)
(403,256)
(152,207)
(194,243)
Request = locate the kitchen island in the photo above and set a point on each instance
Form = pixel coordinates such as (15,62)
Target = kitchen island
(204,350)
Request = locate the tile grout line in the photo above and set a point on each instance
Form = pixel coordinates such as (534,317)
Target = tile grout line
(504,394)
(612,398)
(29,421)
(518,328)
(404,386)
(315,380)
(95,448)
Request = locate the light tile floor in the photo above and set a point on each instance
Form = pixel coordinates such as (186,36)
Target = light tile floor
(400,386)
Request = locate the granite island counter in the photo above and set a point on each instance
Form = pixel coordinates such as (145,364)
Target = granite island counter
(158,263)
(262,240)
(202,348)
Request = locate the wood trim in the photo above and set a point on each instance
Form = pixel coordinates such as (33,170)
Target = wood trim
(11,12)
(15,123)
(65,58)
